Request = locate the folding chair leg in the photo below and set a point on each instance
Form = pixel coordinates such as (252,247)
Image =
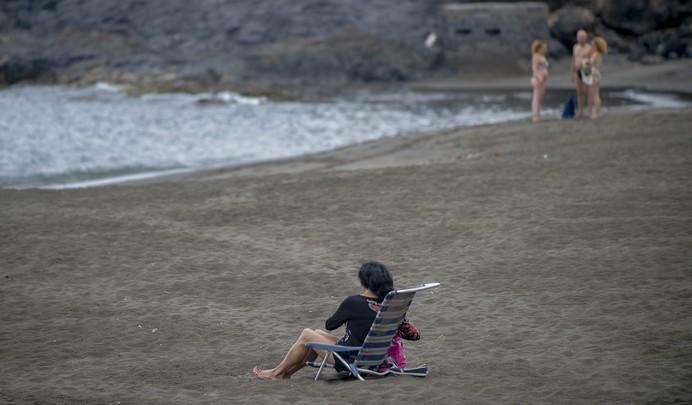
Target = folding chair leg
(355,372)
(324,361)
(352,368)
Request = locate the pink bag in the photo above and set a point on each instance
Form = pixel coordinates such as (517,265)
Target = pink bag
(397,353)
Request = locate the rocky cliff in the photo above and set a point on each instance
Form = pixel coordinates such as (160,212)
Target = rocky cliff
(637,27)
(254,44)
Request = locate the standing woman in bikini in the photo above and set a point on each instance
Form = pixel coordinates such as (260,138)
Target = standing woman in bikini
(539,68)
(600,48)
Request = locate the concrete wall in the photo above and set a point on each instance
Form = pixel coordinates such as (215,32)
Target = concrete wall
(475,33)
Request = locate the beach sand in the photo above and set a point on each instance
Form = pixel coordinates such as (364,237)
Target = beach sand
(564,251)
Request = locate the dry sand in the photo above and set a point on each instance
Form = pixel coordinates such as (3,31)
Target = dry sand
(564,251)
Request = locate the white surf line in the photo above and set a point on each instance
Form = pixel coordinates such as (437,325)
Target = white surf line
(110,180)
(655,100)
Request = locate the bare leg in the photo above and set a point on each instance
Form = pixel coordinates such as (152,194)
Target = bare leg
(596,100)
(312,355)
(535,112)
(536,101)
(325,334)
(581,98)
(541,96)
(297,355)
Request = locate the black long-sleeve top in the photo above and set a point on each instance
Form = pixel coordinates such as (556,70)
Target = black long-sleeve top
(358,312)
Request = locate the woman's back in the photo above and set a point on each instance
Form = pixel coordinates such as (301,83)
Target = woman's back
(357,312)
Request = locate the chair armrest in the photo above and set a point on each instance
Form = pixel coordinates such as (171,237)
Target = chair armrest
(419,288)
(332,348)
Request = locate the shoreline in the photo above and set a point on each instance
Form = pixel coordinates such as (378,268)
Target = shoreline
(672,77)
(361,156)
(332,159)
(620,73)
(309,160)
(462,87)
(562,250)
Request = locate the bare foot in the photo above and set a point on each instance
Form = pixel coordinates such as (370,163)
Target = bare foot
(263,374)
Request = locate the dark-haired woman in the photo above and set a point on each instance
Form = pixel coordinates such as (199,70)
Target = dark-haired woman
(357,312)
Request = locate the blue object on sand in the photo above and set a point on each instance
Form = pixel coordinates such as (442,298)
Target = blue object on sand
(568,110)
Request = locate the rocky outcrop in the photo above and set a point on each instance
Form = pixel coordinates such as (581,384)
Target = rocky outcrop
(670,43)
(14,69)
(635,27)
(305,41)
(4,22)
(642,16)
(565,22)
(358,40)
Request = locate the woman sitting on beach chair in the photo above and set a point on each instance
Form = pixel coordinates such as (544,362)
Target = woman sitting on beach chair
(356,311)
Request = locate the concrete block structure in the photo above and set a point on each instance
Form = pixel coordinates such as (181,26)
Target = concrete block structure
(473,34)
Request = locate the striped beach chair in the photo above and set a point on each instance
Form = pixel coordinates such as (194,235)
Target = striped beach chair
(373,353)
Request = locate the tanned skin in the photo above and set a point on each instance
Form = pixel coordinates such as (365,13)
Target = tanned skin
(581,52)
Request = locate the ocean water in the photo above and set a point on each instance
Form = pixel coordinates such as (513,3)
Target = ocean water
(59,137)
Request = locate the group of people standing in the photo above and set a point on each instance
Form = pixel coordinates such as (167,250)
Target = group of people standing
(587,59)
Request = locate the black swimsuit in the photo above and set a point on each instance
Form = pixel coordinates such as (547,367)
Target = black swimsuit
(358,313)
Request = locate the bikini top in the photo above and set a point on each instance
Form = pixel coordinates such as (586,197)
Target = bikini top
(543,65)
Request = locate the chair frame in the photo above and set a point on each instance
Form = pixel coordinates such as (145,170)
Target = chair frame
(373,334)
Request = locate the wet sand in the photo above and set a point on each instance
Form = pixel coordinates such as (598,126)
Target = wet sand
(564,251)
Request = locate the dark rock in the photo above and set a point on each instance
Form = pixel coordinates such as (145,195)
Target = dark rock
(556,49)
(18,69)
(552,4)
(615,42)
(596,6)
(651,41)
(4,22)
(207,78)
(636,54)
(23,24)
(213,102)
(651,60)
(72,59)
(641,16)
(669,43)
(565,22)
